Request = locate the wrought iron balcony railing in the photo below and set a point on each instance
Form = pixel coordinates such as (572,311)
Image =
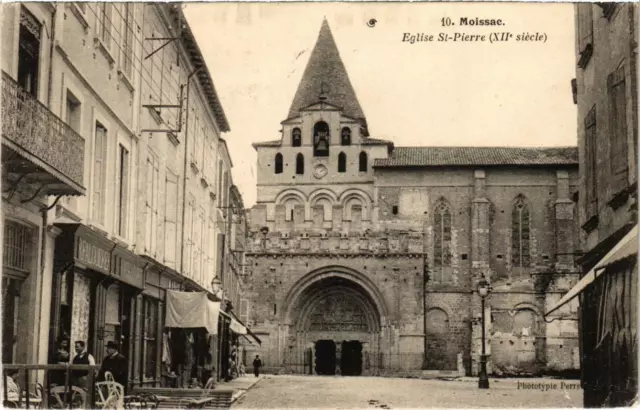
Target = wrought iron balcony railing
(36,133)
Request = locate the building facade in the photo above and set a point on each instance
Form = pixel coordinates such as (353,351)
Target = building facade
(363,257)
(144,211)
(607,100)
(42,159)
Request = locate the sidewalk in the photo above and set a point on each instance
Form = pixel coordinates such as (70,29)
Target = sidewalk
(239,385)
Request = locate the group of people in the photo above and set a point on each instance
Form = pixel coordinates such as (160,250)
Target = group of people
(114,362)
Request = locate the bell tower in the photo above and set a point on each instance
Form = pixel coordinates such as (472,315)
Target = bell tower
(319,177)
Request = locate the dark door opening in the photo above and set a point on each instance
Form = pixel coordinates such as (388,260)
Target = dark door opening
(351,360)
(325,357)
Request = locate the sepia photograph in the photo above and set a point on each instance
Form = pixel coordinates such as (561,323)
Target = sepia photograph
(319,205)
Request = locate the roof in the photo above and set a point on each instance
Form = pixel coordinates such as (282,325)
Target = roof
(461,156)
(274,143)
(376,141)
(325,72)
(203,74)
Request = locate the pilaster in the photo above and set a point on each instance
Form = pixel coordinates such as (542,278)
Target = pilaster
(480,226)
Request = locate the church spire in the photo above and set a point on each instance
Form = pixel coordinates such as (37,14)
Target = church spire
(325,79)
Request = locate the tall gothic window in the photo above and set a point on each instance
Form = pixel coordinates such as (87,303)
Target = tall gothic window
(296,137)
(342,162)
(321,139)
(345,136)
(278,163)
(520,238)
(363,162)
(299,164)
(441,239)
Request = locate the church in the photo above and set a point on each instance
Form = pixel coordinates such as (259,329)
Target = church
(364,258)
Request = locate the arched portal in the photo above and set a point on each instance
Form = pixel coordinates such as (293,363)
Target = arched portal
(335,319)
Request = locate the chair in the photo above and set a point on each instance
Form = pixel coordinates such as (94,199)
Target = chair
(110,394)
(205,396)
(78,397)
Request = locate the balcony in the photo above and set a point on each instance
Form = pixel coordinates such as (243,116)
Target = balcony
(38,148)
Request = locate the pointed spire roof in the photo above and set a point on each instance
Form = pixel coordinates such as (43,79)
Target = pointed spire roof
(325,76)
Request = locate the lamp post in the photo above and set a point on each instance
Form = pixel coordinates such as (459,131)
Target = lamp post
(483,378)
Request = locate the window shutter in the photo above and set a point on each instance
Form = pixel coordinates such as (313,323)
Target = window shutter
(220,256)
(171,214)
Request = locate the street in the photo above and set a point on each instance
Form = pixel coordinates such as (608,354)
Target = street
(387,393)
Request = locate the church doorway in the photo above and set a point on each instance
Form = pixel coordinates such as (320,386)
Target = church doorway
(351,360)
(325,357)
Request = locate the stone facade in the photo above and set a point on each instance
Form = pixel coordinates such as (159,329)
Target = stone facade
(607,107)
(339,248)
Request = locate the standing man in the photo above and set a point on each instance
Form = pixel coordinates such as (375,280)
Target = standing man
(115,363)
(257,364)
(59,356)
(82,357)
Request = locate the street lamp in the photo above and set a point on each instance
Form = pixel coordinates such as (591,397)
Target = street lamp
(483,378)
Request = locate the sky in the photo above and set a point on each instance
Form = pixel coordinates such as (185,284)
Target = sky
(427,93)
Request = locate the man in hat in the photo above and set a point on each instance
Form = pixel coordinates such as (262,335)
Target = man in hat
(115,363)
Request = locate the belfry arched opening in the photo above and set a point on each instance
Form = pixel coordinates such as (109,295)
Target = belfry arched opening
(337,327)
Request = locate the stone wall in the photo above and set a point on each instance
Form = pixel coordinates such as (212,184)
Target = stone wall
(388,244)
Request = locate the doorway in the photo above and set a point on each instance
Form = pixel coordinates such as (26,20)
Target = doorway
(351,360)
(325,357)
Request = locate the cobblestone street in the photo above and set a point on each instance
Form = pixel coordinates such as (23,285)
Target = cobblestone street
(388,393)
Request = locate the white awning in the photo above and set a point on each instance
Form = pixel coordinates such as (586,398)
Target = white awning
(238,328)
(627,246)
(191,310)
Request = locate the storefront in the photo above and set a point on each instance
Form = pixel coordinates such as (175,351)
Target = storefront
(608,333)
(192,323)
(95,291)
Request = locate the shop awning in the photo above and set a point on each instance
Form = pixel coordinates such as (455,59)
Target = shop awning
(190,310)
(237,327)
(240,328)
(628,246)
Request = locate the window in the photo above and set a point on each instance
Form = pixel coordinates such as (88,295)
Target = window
(29,52)
(345,136)
(99,171)
(296,137)
(149,338)
(105,20)
(196,225)
(585,33)
(321,139)
(342,162)
(151,205)
(17,239)
(244,311)
(441,239)
(73,112)
(127,43)
(188,236)
(363,162)
(278,163)
(618,127)
(220,183)
(591,164)
(520,239)
(171,218)
(299,164)
(123,191)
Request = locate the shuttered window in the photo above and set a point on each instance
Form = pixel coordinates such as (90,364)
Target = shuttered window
(171,218)
(99,171)
(618,124)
